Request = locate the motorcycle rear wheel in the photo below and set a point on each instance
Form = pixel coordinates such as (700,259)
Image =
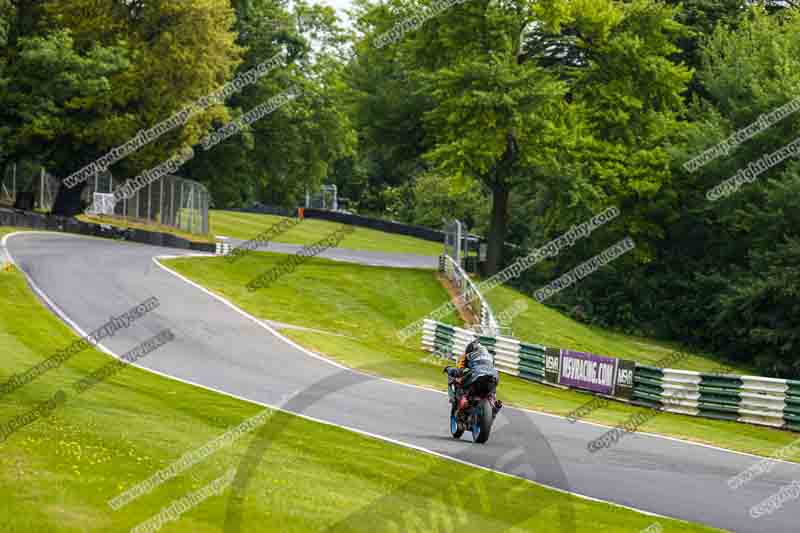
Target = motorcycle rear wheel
(483,422)
(456,430)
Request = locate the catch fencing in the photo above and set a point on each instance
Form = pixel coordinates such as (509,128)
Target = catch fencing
(39,221)
(170,201)
(27,176)
(746,399)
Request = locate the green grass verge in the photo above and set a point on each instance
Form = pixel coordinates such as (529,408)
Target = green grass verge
(249,225)
(59,472)
(544,325)
(126,224)
(368,305)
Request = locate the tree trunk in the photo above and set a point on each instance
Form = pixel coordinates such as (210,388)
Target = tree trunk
(68,201)
(497,228)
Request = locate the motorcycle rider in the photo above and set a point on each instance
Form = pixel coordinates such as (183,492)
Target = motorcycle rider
(475,363)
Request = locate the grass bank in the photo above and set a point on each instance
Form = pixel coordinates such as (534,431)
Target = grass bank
(363,307)
(247,226)
(58,473)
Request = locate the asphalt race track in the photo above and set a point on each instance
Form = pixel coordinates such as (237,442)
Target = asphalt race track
(354,256)
(91,279)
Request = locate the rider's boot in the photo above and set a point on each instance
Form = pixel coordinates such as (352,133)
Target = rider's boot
(497,406)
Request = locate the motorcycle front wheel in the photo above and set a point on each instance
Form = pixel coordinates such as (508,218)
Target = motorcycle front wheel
(483,422)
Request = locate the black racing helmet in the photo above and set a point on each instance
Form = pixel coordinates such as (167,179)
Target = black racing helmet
(472,346)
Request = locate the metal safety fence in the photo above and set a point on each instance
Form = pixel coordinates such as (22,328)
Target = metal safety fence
(469,293)
(26,176)
(171,201)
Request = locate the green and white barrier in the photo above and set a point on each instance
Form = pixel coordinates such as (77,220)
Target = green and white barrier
(510,355)
(747,399)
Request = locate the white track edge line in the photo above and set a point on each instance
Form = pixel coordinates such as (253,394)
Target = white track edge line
(58,311)
(338,365)
(64,317)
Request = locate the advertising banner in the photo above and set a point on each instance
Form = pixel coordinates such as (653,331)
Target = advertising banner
(597,373)
(552,364)
(588,371)
(624,381)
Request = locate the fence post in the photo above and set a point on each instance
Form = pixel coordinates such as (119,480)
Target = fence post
(191,208)
(150,202)
(173,219)
(180,208)
(41,189)
(161,203)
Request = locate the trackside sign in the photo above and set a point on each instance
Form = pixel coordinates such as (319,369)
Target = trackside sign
(597,373)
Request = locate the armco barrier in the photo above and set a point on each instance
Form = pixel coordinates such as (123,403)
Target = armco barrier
(28,219)
(747,399)
(265,210)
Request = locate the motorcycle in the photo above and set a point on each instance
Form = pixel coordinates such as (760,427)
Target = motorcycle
(476,408)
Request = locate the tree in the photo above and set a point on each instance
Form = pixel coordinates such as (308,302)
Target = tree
(138,64)
(386,105)
(7,15)
(586,119)
(294,147)
(497,117)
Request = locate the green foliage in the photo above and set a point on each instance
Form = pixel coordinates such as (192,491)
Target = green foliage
(521,118)
(430,199)
(723,274)
(758,309)
(178,51)
(274,159)
(702,18)
(61,95)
